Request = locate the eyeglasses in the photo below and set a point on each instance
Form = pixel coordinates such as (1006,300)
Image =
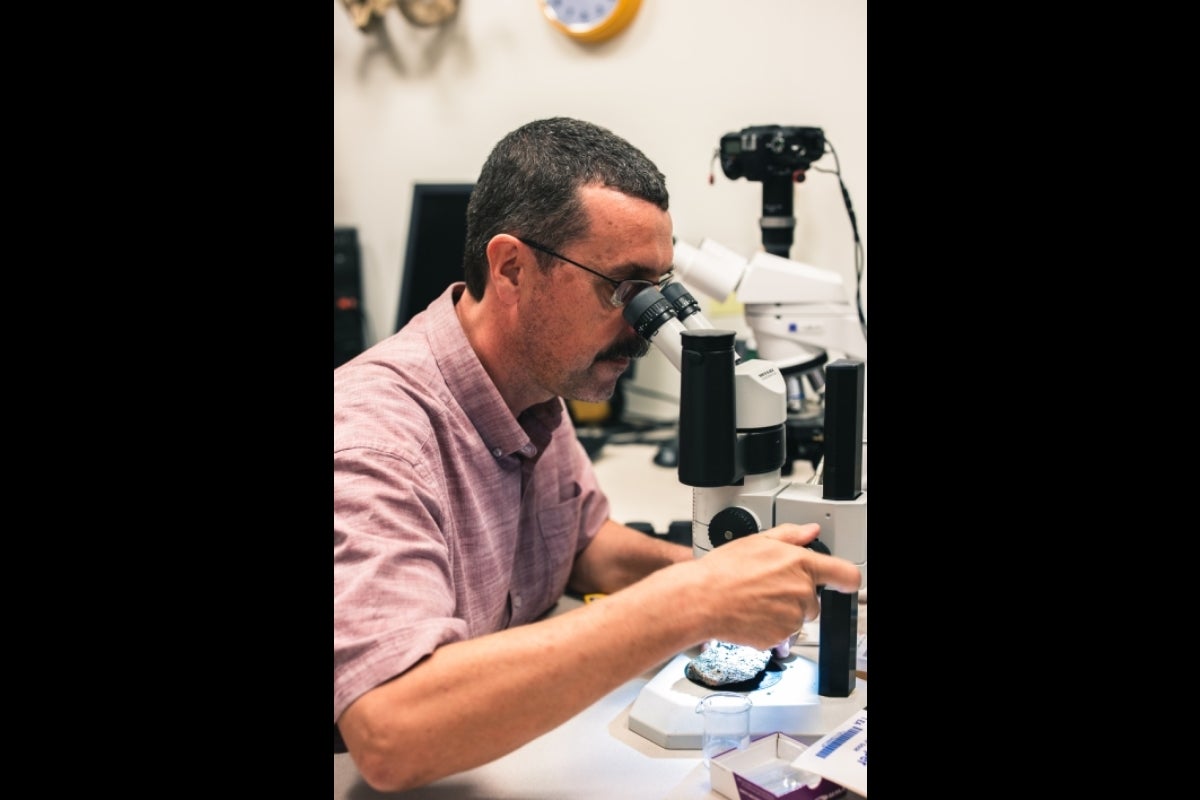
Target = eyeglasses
(625,290)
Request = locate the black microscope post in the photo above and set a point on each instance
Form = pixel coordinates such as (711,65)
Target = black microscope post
(841,480)
(707,409)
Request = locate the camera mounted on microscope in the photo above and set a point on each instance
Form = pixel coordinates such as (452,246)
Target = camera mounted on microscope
(766,152)
(776,156)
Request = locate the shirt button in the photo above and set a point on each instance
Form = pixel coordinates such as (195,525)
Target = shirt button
(527,449)
(497,452)
(516,601)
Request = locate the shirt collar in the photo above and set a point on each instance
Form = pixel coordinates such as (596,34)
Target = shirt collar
(472,387)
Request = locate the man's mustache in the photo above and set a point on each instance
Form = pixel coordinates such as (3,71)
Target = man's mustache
(629,348)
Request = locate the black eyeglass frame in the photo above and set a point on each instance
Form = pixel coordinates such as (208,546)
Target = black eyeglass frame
(623,292)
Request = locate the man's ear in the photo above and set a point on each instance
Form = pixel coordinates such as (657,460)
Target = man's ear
(506,259)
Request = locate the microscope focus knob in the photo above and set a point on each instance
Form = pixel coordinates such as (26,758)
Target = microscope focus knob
(732,523)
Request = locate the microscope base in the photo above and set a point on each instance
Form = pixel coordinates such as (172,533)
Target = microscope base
(665,709)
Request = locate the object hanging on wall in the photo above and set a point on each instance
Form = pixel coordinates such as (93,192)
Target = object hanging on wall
(366,12)
(422,13)
(427,13)
(590,20)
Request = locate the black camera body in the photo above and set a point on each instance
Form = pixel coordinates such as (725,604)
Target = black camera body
(768,152)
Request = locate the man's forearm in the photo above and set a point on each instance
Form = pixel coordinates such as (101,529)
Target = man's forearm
(620,556)
(473,701)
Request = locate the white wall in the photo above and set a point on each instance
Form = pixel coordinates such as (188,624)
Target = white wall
(427,105)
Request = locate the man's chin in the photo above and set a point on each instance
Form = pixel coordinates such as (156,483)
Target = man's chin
(604,377)
(609,370)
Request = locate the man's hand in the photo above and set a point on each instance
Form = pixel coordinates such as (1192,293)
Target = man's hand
(767,584)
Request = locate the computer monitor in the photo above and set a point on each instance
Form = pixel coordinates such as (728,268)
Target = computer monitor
(437,232)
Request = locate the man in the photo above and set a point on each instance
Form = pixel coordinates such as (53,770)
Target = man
(464,504)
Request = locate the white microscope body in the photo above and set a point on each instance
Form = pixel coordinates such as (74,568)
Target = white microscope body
(733,417)
(802,319)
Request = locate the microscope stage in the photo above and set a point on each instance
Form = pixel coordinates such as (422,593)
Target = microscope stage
(665,709)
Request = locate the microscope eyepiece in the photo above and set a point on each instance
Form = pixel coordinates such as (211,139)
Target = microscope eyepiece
(685,304)
(648,311)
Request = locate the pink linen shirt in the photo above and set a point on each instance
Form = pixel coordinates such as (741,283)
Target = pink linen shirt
(451,517)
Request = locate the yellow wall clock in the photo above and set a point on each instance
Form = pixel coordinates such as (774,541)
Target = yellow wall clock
(590,20)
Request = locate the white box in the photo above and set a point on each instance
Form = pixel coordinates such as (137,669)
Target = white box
(764,771)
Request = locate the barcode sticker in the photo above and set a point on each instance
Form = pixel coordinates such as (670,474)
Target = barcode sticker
(840,755)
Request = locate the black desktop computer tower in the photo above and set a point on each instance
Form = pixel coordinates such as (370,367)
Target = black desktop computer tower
(348,321)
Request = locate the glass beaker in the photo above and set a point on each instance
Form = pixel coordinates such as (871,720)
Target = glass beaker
(726,723)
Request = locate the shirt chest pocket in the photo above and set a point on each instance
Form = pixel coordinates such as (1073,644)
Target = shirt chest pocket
(544,562)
